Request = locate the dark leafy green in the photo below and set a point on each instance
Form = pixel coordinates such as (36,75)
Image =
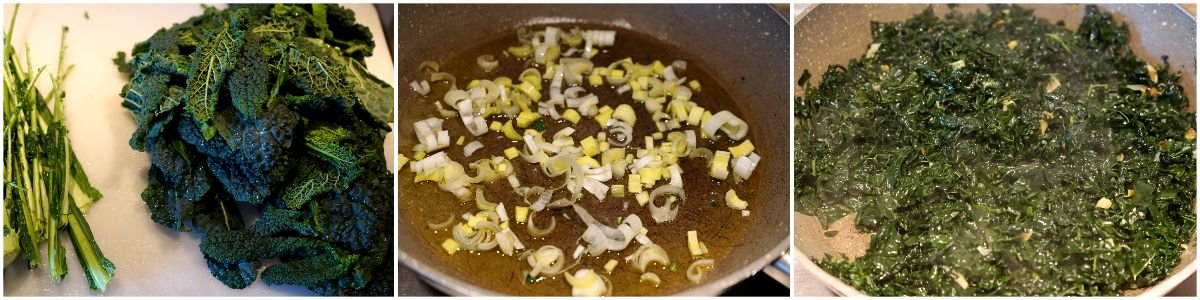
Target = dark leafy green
(269,107)
(936,144)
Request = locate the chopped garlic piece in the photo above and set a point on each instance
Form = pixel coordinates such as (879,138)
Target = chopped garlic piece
(1150,70)
(643,198)
(720,165)
(1053,84)
(694,243)
(1012,44)
(958,64)
(589,146)
(731,199)
(522,214)
(635,183)
(401,160)
(1042,125)
(1104,203)
(526,118)
(450,246)
(585,283)
(618,190)
(961,280)
(1191,134)
(871,50)
(742,150)
(610,265)
(512,152)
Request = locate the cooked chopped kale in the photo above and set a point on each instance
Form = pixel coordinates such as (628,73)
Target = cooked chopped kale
(269,107)
(979,150)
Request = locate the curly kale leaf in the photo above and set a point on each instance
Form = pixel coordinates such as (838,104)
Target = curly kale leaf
(249,84)
(374,95)
(311,182)
(277,220)
(299,117)
(311,271)
(243,245)
(221,214)
(354,40)
(313,68)
(325,143)
(254,159)
(210,63)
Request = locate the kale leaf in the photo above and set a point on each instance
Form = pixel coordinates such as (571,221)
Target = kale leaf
(300,122)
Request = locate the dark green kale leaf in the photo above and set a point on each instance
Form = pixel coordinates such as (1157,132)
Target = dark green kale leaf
(300,122)
(210,63)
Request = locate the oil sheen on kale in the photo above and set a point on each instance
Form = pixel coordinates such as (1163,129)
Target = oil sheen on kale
(997,153)
(268,108)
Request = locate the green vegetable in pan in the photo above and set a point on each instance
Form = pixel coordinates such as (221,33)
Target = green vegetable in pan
(997,153)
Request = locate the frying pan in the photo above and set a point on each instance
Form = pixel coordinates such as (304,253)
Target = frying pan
(834,34)
(743,46)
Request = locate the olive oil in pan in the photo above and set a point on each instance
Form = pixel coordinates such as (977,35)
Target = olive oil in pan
(704,210)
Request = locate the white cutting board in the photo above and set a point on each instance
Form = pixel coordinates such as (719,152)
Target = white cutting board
(150,259)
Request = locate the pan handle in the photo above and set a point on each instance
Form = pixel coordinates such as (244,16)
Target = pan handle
(781,269)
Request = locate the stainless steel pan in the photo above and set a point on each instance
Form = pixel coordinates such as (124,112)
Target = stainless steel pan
(834,34)
(744,46)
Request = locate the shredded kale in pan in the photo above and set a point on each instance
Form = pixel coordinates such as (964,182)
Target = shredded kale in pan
(997,153)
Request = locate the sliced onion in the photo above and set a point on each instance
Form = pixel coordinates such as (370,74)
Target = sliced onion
(420,87)
(439,226)
(573,69)
(539,232)
(651,278)
(620,133)
(695,271)
(487,62)
(433,66)
(679,65)
(447,77)
(601,238)
(586,283)
(471,148)
(556,95)
(513,182)
(623,89)
(744,166)
(666,212)
(701,153)
(683,93)
(647,254)
(548,260)
(508,241)
(725,121)
(445,113)
(600,38)
(481,202)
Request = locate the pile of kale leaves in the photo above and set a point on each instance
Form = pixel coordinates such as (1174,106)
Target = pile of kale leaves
(269,107)
(936,143)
